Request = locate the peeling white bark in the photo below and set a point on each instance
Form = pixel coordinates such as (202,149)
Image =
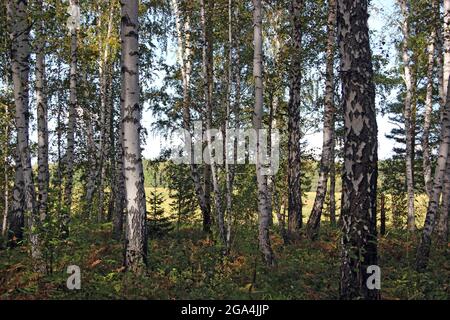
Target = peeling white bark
(73,104)
(136,233)
(42,119)
(359,181)
(20,52)
(409,125)
(264,207)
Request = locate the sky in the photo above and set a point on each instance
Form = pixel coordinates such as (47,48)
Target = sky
(377,23)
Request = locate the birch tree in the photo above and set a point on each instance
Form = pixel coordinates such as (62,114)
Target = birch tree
(423,250)
(359,239)
(105,143)
(328,127)
(332,192)
(184,56)
(441,174)
(20,51)
(207,73)
(119,187)
(230,169)
(429,100)
(73,25)
(92,149)
(294,188)
(16,219)
(136,233)
(442,222)
(264,207)
(6,174)
(409,127)
(42,117)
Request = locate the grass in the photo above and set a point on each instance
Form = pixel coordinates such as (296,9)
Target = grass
(187,265)
(421,204)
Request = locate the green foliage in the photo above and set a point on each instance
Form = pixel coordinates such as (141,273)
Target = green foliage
(158,224)
(181,190)
(392,176)
(188,266)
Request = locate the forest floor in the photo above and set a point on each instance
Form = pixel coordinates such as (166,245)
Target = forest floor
(186,265)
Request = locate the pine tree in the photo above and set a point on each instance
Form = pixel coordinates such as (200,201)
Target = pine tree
(158,223)
(181,189)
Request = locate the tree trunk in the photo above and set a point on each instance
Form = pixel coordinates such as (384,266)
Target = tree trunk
(207,73)
(328,128)
(359,241)
(234,44)
(119,188)
(429,104)
(382,214)
(446,49)
(60,167)
(20,70)
(136,233)
(273,101)
(119,206)
(442,223)
(294,187)
(332,192)
(273,107)
(423,251)
(404,6)
(263,201)
(105,143)
(91,155)
(6,174)
(427,121)
(16,218)
(278,201)
(184,54)
(69,156)
(440,59)
(230,169)
(42,120)
(206,213)
(112,149)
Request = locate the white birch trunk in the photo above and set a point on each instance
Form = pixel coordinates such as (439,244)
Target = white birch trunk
(42,119)
(69,156)
(136,233)
(408,79)
(184,56)
(20,71)
(328,128)
(423,251)
(263,200)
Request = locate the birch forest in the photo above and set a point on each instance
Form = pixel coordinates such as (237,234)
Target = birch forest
(225,149)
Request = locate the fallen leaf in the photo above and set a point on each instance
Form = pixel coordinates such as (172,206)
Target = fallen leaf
(96,262)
